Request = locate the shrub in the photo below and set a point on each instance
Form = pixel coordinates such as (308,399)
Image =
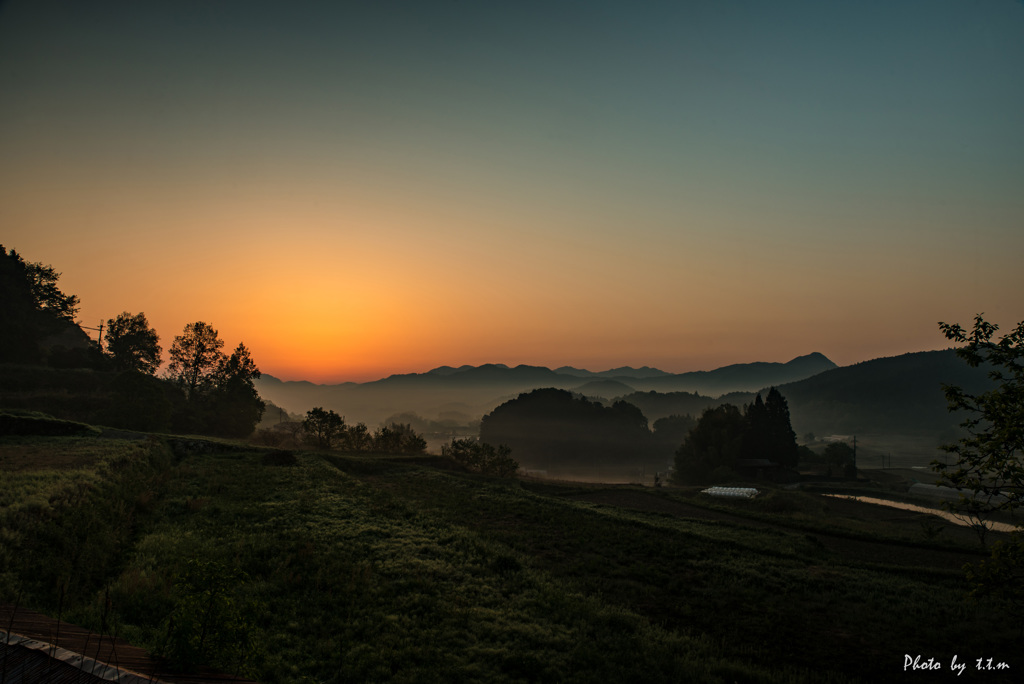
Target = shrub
(482,457)
(211,622)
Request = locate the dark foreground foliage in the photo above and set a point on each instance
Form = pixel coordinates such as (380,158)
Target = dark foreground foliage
(331,568)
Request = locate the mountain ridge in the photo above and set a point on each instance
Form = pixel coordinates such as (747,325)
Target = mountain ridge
(475,390)
(623,372)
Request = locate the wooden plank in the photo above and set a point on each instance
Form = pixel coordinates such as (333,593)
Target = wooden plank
(104,648)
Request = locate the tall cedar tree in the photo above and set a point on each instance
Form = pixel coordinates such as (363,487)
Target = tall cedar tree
(781,444)
(769,434)
(724,435)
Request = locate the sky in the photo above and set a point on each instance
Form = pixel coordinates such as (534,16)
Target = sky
(356,189)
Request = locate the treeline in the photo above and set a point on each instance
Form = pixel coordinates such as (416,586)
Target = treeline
(729,443)
(326,429)
(202,391)
(481,457)
(555,430)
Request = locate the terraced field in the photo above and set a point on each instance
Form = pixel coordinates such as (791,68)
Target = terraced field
(320,567)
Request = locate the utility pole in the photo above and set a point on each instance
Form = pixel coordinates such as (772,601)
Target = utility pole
(99,341)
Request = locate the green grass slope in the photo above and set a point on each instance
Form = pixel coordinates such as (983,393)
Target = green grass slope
(324,568)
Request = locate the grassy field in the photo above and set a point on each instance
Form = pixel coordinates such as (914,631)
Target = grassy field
(331,568)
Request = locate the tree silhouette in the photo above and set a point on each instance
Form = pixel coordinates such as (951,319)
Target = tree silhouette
(481,457)
(670,431)
(48,297)
(989,463)
(222,398)
(724,435)
(758,430)
(989,467)
(713,445)
(235,404)
(132,344)
(780,443)
(31,307)
(142,402)
(324,426)
(358,438)
(196,358)
(842,457)
(397,438)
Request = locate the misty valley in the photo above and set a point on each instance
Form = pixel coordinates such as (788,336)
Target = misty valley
(894,406)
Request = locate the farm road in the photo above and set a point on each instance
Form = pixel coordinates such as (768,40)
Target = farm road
(851,550)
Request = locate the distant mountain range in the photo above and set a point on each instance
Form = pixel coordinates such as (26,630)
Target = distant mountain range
(623,372)
(894,404)
(468,392)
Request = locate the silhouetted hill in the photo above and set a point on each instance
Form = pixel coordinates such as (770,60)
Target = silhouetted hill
(894,404)
(448,370)
(471,376)
(621,372)
(606,389)
(742,377)
(657,405)
(555,430)
(900,394)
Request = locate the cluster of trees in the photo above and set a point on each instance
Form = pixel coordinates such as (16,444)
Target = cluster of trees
(327,430)
(839,459)
(203,390)
(37,320)
(552,429)
(481,457)
(726,441)
(220,394)
(669,432)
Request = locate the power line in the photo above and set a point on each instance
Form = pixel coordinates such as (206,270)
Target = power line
(99,340)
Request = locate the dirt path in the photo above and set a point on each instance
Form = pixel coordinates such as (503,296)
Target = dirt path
(852,550)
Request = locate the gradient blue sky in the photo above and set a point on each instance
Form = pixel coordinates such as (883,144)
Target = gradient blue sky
(357,189)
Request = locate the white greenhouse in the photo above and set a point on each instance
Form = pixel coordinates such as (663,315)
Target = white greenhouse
(733,492)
